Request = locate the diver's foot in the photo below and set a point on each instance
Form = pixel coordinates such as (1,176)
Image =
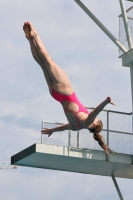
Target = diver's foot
(30,31)
(33,32)
(26,30)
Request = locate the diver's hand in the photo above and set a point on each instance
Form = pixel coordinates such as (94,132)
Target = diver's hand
(47,131)
(108,99)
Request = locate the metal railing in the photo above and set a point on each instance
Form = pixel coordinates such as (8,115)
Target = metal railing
(117,133)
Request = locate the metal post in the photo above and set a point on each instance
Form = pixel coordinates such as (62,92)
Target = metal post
(131,77)
(117,188)
(124,15)
(69,137)
(104,29)
(77,138)
(132,122)
(107,157)
(41,133)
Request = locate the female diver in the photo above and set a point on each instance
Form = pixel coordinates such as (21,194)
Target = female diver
(61,90)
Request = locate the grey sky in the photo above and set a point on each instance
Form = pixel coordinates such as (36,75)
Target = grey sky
(91,61)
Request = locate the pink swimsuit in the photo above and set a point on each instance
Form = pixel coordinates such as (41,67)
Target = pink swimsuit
(70,98)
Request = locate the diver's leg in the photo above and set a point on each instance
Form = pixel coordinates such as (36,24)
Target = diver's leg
(40,62)
(60,79)
(37,57)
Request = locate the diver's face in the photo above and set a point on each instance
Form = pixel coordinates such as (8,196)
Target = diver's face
(96,121)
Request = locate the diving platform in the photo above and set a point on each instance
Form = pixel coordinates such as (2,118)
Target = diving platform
(77,151)
(78,160)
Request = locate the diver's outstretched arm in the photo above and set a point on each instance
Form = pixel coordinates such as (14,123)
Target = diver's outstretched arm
(98,109)
(49,131)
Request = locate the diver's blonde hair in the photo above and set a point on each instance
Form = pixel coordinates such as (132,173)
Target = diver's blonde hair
(96,129)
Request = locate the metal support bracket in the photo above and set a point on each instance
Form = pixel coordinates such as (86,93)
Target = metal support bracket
(104,29)
(125,20)
(117,188)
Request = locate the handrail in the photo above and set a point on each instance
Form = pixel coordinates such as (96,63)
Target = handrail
(113,111)
(113,131)
(53,122)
